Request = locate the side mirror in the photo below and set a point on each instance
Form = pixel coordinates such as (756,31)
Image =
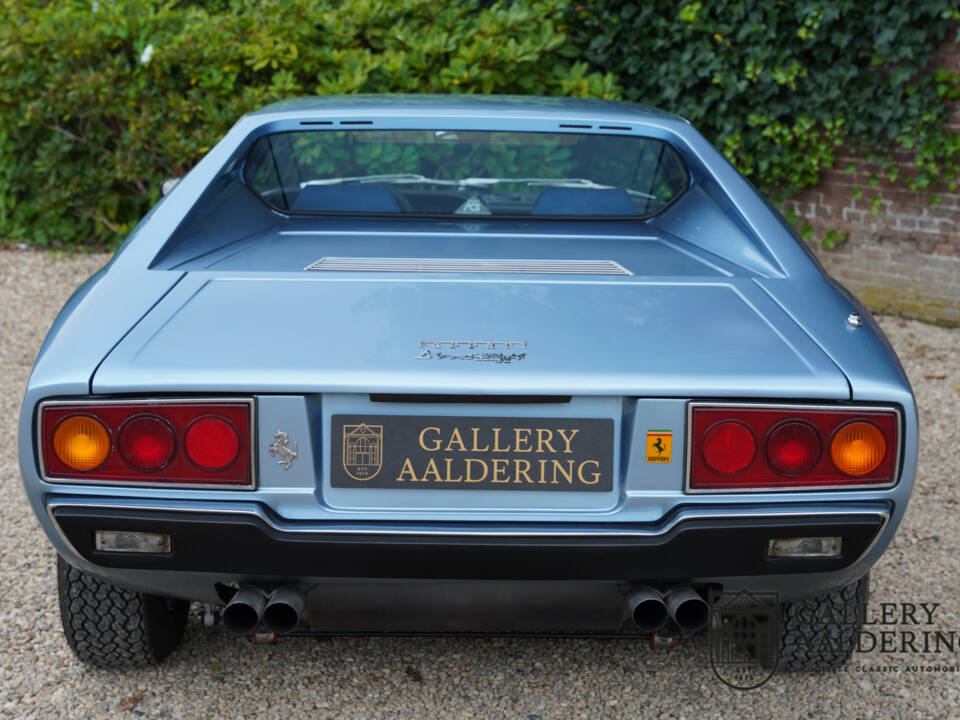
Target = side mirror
(167,185)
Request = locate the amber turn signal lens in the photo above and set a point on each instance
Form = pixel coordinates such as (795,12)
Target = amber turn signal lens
(81,442)
(857,448)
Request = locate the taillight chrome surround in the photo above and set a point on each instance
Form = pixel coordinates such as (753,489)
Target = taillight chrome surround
(143,479)
(893,452)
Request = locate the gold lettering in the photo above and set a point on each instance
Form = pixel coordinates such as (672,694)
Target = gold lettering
(543,472)
(568,440)
(518,472)
(437,441)
(500,468)
(407,468)
(544,437)
(518,439)
(596,475)
(470,477)
(496,442)
(448,462)
(455,438)
(431,469)
(568,475)
(475,441)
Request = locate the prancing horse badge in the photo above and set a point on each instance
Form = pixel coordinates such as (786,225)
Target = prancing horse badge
(279,447)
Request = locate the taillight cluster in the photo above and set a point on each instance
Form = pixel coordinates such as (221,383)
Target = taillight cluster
(745,448)
(177,442)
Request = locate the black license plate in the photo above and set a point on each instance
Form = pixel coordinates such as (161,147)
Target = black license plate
(472,453)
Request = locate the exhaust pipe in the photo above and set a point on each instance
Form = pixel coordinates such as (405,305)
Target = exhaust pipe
(244,611)
(689,611)
(283,610)
(647,609)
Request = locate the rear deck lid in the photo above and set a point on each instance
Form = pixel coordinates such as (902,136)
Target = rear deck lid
(402,332)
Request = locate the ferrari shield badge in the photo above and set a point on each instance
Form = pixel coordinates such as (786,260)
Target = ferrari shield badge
(362,450)
(744,637)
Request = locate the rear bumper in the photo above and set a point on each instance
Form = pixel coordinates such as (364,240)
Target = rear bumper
(252,543)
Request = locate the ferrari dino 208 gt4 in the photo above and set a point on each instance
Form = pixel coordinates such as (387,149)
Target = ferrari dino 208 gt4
(463,365)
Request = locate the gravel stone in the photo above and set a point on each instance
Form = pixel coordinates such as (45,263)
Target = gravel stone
(216,675)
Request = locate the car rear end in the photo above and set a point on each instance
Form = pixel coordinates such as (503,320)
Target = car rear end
(469,423)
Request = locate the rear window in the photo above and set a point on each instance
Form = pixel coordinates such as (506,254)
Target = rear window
(452,172)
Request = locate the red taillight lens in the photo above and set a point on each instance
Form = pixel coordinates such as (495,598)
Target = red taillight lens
(728,447)
(793,447)
(147,442)
(862,447)
(175,442)
(212,443)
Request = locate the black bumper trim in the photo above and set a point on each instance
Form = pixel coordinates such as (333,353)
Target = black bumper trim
(247,546)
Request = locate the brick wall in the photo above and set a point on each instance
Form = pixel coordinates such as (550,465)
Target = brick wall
(904,258)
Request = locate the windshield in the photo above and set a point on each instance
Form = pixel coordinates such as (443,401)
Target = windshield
(447,172)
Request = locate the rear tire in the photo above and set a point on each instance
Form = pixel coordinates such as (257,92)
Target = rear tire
(111,627)
(821,633)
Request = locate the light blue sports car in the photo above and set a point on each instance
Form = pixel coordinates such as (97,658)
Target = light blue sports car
(429,364)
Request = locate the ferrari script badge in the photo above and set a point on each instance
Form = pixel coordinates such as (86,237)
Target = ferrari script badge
(362,450)
(495,351)
(279,447)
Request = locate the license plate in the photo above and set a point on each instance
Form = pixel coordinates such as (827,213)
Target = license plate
(472,453)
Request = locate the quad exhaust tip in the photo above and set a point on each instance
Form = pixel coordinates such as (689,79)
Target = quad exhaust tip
(283,610)
(682,608)
(243,613)
(647,609)
(252,611)
(687,609)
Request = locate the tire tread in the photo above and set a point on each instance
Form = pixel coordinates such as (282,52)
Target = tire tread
(109,626)
(822,645)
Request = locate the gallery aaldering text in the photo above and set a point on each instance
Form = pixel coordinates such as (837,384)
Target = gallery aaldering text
(886,627)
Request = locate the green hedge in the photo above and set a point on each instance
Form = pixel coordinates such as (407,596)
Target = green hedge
(101,100)
(780,86)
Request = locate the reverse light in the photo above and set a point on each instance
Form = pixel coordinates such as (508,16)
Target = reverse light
(810,547)
(157,442)
(131,541)
(799,447)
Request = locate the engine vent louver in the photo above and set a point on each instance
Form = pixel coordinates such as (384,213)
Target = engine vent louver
(453,265)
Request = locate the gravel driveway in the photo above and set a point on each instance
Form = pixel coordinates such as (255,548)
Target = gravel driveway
(216,675)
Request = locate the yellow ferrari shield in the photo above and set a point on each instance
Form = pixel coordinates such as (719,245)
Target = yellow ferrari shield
(659,446)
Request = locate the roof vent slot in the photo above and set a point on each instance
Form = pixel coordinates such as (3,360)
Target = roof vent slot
(356,122)
(576,127)
(615,127)
(316,122)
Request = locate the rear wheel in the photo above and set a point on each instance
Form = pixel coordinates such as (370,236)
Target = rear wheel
(820,633)
(109,626)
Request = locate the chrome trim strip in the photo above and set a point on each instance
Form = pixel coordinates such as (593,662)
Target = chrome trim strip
(685,515)
(787,407)
(470,265)
(254,441)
